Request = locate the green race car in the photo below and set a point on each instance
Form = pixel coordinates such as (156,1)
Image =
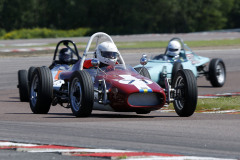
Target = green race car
(179,56)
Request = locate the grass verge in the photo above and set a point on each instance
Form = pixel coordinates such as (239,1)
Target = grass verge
(216,104)
(157,44)
(163,44)
(223,103)
(44,33)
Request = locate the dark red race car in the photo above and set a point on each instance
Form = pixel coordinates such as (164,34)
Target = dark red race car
(83,85)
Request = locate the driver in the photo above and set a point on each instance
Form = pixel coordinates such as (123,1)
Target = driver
(65,55)
(174,48)
(107,53)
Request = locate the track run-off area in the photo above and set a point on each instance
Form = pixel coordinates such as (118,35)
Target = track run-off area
(110,135)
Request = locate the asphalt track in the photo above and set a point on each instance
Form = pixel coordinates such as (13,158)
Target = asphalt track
(214,135)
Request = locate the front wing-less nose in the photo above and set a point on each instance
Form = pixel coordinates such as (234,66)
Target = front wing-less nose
(137,100)
(145,99)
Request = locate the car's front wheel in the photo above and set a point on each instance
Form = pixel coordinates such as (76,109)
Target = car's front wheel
(185,98)
(41,90)
(81,93)
(176,66)
(217,72)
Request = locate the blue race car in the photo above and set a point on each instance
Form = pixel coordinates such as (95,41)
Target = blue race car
(179,56)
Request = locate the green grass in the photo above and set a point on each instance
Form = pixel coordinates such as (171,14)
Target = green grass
(136,45)
(163,44)
(216,104)
(223,103)
(43,33)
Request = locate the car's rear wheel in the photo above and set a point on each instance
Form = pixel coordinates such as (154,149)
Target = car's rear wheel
(217,72)
(23,86)
(81,93)
(176,66)
(41,90)
(185,98)
(143,71)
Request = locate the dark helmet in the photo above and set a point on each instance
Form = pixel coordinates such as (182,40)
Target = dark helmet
(65,55)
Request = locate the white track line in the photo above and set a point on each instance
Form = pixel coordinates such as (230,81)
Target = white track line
(12,144)
(175,158)
(40,150)
(65,151)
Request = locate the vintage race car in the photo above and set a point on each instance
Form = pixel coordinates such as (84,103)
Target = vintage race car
(162,66)
(83,86)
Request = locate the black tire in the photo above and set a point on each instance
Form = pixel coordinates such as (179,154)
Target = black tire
(176,66)
(81,94)
(217,72)
(30,72)
(23,86)
(185,99)
(41,90)
(143,71)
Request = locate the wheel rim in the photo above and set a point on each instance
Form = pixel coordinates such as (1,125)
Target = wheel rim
(76,94)
(34,90)
(220,73)
(180,93)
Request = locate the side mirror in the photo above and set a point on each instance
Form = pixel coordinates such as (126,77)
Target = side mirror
(144,60)
(95,62)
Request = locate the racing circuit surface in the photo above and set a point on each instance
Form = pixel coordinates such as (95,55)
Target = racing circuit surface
(205,135)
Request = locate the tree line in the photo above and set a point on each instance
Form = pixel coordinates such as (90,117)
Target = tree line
(121,16)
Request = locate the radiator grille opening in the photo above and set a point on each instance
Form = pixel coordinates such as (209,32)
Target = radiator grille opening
(145,99)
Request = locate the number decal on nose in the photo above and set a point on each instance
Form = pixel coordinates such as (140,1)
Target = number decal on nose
(140,84)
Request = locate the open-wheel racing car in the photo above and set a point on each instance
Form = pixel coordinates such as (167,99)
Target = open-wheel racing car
(84,83)
(179,56)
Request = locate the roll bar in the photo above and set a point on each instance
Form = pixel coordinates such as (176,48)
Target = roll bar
(97,35)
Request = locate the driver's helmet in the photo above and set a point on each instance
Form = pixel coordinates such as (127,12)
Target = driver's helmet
(65,55)
(107,53)
(174,48)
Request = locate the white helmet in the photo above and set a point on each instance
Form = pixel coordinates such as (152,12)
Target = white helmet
(107,53)
(174,48)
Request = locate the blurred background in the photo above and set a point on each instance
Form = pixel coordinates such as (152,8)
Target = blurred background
(21,19)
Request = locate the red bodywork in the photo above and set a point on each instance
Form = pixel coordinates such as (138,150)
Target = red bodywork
(121,88)
(128,91)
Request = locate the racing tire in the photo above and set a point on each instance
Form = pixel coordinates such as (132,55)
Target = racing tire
(30,72)
(41,90)
(217,72)
(81,94)
(143,71)
(23,86)
(186,94)
(176,66)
